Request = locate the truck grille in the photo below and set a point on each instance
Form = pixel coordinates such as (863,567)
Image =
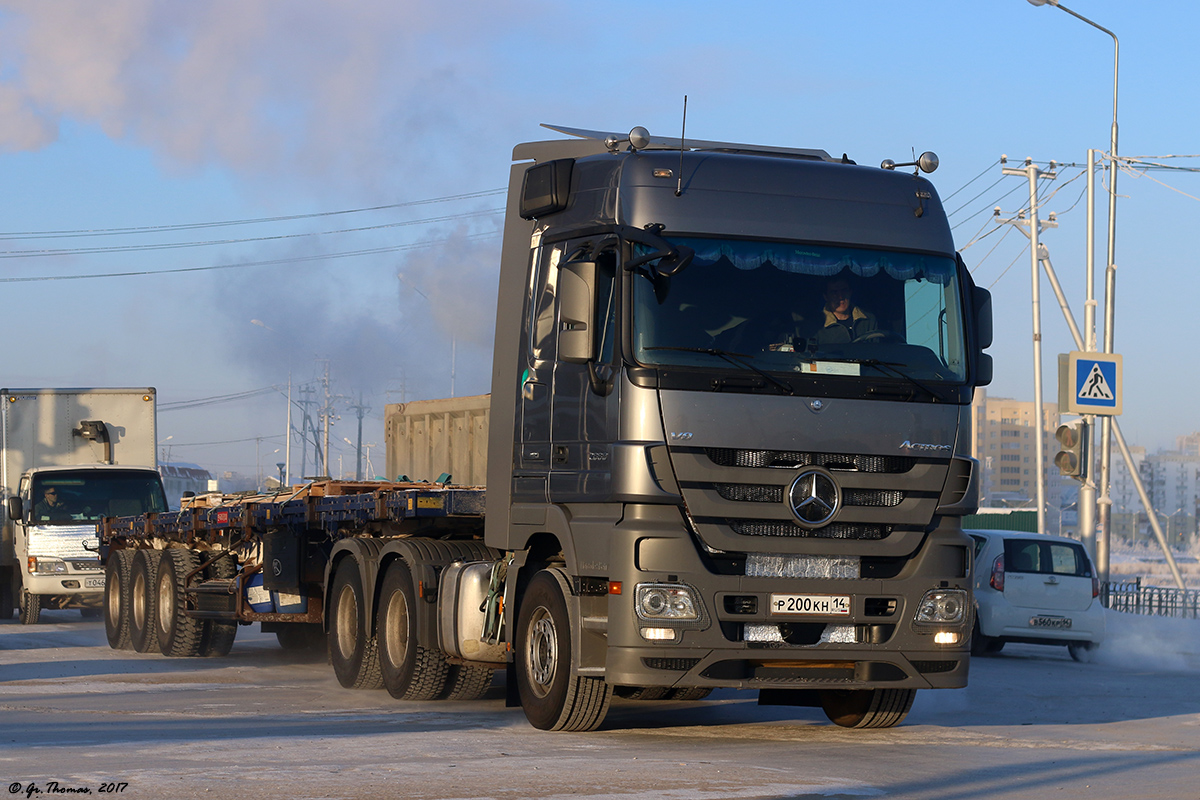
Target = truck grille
(835,530)
(790,459)
(749,493)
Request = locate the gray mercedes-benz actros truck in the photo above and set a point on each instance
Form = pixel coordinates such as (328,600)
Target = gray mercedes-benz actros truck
(726,447)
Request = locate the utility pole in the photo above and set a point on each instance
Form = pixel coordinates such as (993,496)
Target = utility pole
(306,425)
(1033,173)
(326,418)
(361,411)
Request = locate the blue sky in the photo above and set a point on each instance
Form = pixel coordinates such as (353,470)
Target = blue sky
(145,113)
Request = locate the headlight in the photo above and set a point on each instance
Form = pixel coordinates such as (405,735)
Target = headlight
(942,607)
(663,601)
(41,565)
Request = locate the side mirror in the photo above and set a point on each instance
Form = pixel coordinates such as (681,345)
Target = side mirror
(982,300)
(983,370)
(576,311)
(14,508)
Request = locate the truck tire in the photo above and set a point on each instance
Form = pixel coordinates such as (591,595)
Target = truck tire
(469,681)
(217,635)
(410,671)
(178,634)
(867,708)
(691,693)
(552,697)
(642,692)
(142,579)
(31,607)
(353,648)
(116,599)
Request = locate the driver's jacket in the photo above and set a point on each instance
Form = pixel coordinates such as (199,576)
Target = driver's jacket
(835,332)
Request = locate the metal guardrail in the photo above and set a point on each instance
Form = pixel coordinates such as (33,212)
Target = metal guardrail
(1133,598)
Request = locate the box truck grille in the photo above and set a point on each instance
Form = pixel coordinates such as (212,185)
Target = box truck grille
(750,493)
(836,530)
(788,459)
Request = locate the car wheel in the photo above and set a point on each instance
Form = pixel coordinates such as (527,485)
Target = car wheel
(1083,652)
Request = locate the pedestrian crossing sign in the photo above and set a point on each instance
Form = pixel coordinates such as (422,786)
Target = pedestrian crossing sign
(1089,383)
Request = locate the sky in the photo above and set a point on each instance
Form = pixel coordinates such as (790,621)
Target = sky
(353,155)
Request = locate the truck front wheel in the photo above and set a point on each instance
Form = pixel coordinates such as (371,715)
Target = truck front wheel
(867,708)
(353,648)
(553,698)
(116,599)
(410,671)
(31,607)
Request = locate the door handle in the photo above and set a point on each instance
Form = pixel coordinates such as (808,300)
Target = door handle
(560,454)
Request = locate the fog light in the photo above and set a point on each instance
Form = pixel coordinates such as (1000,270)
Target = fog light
(945,637)
(658,634)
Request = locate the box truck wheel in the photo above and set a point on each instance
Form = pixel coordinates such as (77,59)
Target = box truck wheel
(553,698)
(8,584)
(353,648)
(867,708)
(217,635)
(31,607)
(116,599)
(178,634)
(410,671)
(142,577)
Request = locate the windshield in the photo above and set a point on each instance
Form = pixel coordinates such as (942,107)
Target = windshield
(67,498)
(803,308)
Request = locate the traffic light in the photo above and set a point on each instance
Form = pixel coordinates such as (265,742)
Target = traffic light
(1072,460)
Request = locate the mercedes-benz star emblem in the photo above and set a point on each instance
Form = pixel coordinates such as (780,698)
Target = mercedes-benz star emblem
(814,497)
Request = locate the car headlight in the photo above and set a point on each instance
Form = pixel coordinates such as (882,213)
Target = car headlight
(941,607)
(40,565)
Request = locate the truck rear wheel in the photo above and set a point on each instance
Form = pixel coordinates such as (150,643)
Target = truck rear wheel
(469,681)
(178,634)
(867,708)
(31,607)
(410,671)
(142,579)
(353,648)
(116,599)
(553,698)
(217,635)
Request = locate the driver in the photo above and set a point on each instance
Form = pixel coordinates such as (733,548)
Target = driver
(51,507)
(844,321)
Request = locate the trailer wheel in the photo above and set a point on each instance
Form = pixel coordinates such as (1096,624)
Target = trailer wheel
(353,648)
(217,635)
(410,671)
(867,708)
(31,607)
(142,579)
(178,634)
(552,697)
(469,681)
(116,599)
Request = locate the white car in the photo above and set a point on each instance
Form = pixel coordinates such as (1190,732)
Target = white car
(1035,589)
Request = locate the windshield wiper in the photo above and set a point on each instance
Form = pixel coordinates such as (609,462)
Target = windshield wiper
(886,367)
(733,358)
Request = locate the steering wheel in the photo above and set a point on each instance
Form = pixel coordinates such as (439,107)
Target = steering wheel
(879,336)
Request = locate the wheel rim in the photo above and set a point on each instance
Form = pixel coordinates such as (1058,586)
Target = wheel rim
(541,652)
(112,599)
(166,601)
(347,622)
(396,628)
(137,600)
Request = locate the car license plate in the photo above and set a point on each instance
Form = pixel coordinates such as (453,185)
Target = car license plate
(93,583)
(837,605)
(1050,622)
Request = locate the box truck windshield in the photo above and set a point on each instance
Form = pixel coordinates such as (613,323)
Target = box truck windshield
(67,498)
(804,309)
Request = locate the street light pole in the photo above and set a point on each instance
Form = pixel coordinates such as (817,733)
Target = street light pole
(1110,283)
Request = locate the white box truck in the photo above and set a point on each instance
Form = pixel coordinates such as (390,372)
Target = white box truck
(70,458)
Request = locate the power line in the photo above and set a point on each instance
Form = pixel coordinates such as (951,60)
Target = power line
(135,248)
(186,226)
(220,398)
(248,264)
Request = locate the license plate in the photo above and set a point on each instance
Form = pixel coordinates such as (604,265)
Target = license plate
(1050,622)
(837,605)
(93,583)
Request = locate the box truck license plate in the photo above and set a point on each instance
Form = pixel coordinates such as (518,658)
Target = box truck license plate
(837,605)
(93,583)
